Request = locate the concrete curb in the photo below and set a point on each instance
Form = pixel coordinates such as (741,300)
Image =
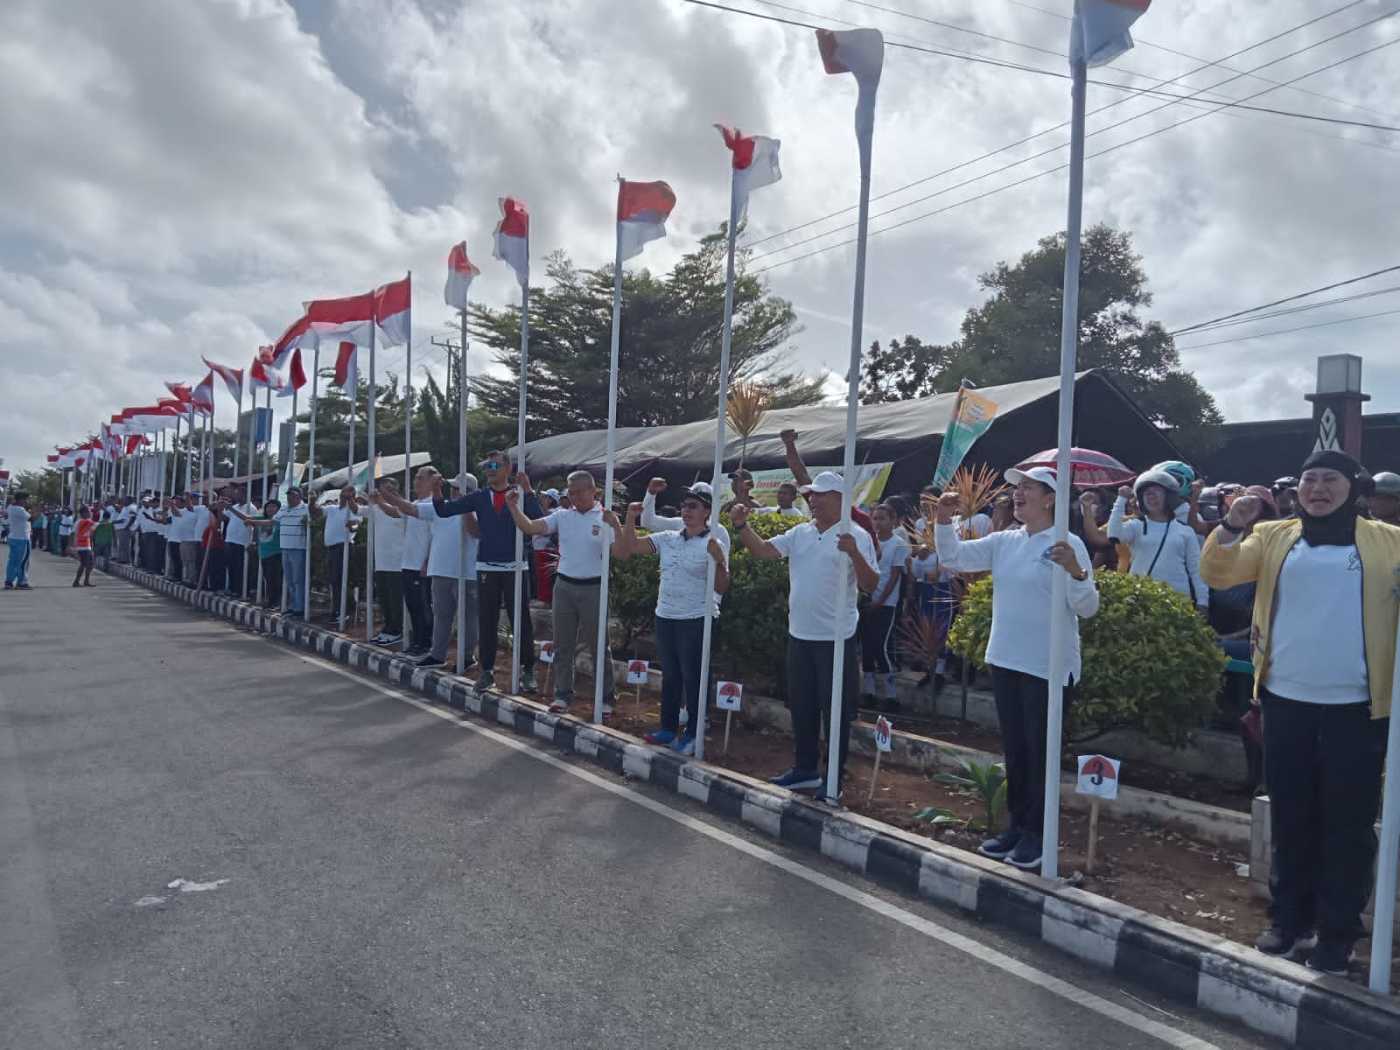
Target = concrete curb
(1278,998)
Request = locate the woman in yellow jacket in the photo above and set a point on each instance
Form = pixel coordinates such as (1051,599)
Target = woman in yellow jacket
(1324,652)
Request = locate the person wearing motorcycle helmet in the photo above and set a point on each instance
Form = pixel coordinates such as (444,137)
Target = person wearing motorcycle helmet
(1286,496)
(1162,546)
(1384,501)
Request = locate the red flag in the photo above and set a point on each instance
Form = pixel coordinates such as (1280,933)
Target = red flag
(260,376)
(642,210)
(512,244)
(393,311)
(180,390)
(460,271)
(232,377)
(297,376)
(346,374)
(202,397)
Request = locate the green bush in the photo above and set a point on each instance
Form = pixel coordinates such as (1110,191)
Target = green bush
(1150,662)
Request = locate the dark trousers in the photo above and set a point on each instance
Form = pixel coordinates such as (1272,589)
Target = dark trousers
(877,638)
(678,643)
(388,590)
(233,568)
(1323,765)
(173,549)
(1023,705)
(335,568)
(414,584)
(809,698)
(496,590)
(216,570)
(272,580)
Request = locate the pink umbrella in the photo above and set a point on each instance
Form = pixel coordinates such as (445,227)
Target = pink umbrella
(1088,469)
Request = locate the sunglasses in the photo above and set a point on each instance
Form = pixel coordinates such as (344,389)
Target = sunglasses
(491,464)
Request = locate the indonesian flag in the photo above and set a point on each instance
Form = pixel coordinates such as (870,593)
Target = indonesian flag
(172,403)
(134,442)
(53,458)
(232,377)
(1100,30)
(296,377)
(755,164)
(202,397)
(642,210)
(180,390)
(262,377)
(346,373)
(460,271)
(393,311)
(860,52)
(512,240)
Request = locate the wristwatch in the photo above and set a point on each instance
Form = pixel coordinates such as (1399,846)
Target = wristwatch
(1225,524)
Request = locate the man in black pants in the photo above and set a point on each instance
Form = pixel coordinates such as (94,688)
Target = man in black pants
(496,565)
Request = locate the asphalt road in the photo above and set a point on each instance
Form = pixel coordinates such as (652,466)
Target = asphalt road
(362,873)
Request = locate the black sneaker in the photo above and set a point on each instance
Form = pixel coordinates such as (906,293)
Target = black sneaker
(1027,853)
(429,660)
(1331,957)
(1280,941)
(999,847)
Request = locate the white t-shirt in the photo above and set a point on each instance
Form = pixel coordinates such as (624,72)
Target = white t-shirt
(236,532)
(65,525)
(782,512)
(684,570)
(202,517)
(19,522)
(813,562)
(581,540)
(1318,650)
(338,520)
(181,525)
(1021,580)
(417,538)
(894,552)
(292,535)
(1179,563)
(445,552)
(388,541)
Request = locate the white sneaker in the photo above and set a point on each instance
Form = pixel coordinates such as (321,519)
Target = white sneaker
(389,639)
(607,709)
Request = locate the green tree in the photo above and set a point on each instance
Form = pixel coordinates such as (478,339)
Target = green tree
(901,371)
(669,345)
(1015,335)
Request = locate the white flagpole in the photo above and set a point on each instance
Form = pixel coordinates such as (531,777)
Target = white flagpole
(286,482)
(462,469)
(256,536)
(408,448)
(369,468)
(237,415)
(311,447)
(726,342)
(599,673)
(258,595)
(189,450)
(174,458)
(349,480)
(865,132)
(1059,612)
(1383,921)
(518,656)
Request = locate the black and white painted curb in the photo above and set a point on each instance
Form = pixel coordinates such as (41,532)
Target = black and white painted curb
(1216,975)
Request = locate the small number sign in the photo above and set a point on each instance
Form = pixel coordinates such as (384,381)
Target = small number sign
(883,734)
(1098,775)
(728,696)
(546,652)
(637,672)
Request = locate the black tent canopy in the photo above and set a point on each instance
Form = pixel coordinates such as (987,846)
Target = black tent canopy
(908,434)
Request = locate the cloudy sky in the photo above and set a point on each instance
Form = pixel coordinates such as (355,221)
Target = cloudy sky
(179,176)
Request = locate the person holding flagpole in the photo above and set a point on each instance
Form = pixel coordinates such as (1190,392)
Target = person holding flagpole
(460,272)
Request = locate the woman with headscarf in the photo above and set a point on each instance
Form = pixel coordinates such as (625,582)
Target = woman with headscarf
(1324,653)
(1163,547)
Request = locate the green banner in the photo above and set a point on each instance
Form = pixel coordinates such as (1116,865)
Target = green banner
(972,417)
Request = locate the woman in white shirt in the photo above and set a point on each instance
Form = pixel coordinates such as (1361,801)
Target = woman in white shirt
(680,606)
(1163,547)
(1022,563)
(342,525)
(877,620)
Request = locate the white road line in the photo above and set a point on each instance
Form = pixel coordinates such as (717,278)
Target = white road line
(1088,1000)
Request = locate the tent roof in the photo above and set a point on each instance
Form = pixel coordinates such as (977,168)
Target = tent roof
(389,466)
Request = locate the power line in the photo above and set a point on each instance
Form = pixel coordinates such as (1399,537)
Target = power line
(1286,331)
(1294,310)
(1214,321)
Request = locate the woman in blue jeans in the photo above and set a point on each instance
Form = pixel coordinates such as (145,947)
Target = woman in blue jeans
(680,606)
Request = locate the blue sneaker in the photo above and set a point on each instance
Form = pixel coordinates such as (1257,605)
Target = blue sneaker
(661,737)
(798,780)
(685,745)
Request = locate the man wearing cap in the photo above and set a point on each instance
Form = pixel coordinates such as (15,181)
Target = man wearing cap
(804,478)
(1023,563)
(1384,501)
(680,606)
(817,551)
(742,483)
(496,566)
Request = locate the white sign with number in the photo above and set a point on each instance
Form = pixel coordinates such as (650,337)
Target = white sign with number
(546,652)
(728,696)
(1098,776)
(883,734)
(637,672)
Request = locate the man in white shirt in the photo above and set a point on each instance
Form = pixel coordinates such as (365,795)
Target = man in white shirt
(122,517)
(388,532)
(817,551)
(342,525)
(583,529)
(294,527)
(651,521)
(184,532)
(417,544)
(17,565)
(237,537)
(787,502)
(65,532)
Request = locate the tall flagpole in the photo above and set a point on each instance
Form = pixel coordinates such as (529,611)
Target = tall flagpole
(518,655)
(349,480)
(408,441)
(726,341)
(369,467)
(1059,610)
(599,674)
(189,450)
(311,450)
(462,469)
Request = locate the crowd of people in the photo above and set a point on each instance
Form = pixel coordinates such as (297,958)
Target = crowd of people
(1283,573)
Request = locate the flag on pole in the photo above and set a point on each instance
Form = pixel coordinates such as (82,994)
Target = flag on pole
(512,241)
(180,390)
(460,271)
(296,376)
(346,367)
(860,52)
(393,312)
(232,377)
(972,417)
(755,163)
(642,210)
(202,396)
(1100,30)
(262,377)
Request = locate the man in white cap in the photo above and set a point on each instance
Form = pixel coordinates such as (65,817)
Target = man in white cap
(817,551)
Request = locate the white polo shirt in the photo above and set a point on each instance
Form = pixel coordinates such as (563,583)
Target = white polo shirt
(388,541)
(894,553)
(417,537)
(202,516)
(684,571)
(338,520)
(445,552)
(581,540)
(181,526)
(813,562)
(237,533)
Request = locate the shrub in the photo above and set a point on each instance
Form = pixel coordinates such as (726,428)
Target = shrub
(1150,662)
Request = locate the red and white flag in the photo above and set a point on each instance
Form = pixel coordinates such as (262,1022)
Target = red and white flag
(134,442)
(296,376)
(393,312)
(460,271)
(202,396)
(755,163)
(262,377)
(180,390)
(232,377)
(642,211)
(860,52)
(347,373)
(1100,30)
(512,239)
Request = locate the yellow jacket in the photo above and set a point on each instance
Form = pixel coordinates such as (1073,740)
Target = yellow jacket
(1260,558)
